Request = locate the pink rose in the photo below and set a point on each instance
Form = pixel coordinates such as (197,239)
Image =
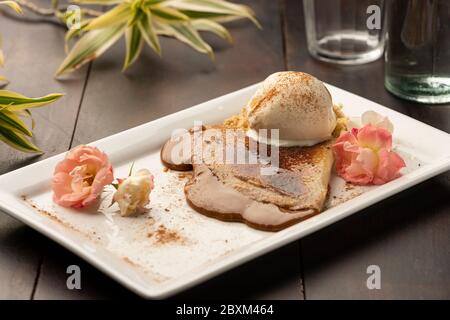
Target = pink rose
(364,156)
(377,120)
(79,179)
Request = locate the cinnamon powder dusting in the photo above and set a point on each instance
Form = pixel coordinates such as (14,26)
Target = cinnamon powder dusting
(184,175)
(163,236)
(50,215)
(255,105)
(128,260)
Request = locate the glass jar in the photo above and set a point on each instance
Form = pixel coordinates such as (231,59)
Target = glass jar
(345,31)
(418,50)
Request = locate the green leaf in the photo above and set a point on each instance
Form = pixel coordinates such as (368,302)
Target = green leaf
(217,7)
(17,141)
(149,33)
(117,15)
(27,113)
(207,15)
(168,14)
(71,33)
(187,34)
(14,101)
(134,42)
(136,15)
(13,5)
(212,26)
(11,121)
(90,46)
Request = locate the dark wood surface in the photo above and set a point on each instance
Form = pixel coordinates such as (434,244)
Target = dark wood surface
(407,235)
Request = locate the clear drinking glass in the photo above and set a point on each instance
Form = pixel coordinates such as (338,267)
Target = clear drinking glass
(418,50)
(345,31)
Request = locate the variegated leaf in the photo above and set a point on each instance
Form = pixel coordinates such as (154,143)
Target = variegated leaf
(11,121)
(17,141)
(13,5)
(115,16)
(187,34)
(212,8)
(168,14)
(212,26)
(27,113)
(148,32)
(136,15)
(14,101)
(91,45)
(71,33)
(134,42)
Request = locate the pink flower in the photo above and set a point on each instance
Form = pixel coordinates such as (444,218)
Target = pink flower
(79,179)
(377,120)
(364,156)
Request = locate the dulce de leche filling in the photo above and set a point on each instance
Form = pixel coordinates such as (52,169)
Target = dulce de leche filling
(208,195)
(295,191)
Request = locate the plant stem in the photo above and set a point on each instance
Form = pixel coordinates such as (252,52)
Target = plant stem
(34,8)
(53,12)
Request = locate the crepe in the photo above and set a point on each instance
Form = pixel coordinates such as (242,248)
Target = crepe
(293,191)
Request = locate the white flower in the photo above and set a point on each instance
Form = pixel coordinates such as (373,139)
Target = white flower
(377,120)
(133,193)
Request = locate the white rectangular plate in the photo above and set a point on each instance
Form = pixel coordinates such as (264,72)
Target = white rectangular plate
(172,247)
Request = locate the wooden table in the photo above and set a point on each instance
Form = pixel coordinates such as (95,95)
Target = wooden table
(407,235)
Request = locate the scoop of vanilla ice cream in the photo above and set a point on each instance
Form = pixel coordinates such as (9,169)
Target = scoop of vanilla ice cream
(297,104)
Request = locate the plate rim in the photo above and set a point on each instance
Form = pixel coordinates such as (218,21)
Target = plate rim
(286,236)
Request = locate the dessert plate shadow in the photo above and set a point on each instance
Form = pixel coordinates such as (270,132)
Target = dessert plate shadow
(171,247)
